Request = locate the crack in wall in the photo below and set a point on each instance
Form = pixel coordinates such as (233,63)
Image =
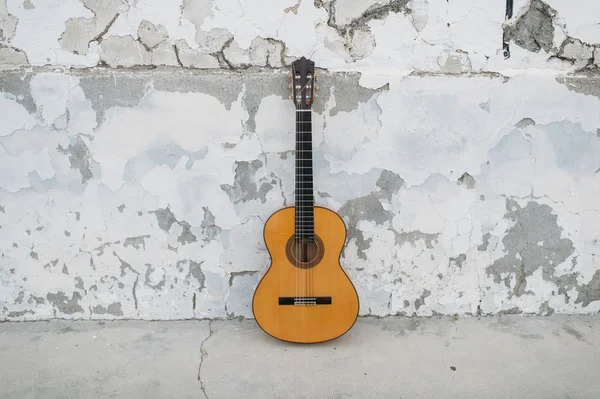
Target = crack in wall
(505,40)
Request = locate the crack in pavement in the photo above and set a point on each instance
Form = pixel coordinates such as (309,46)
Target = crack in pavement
(202,354)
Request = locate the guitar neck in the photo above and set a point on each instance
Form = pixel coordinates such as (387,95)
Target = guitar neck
(304,175)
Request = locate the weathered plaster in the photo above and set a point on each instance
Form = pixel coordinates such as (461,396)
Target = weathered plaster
(157,211)
(377,38)
(143,145)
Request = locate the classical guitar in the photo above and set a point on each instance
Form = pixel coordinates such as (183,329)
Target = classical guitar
(305,296)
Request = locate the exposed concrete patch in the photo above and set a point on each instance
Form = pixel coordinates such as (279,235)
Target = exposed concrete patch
(347,91)
(245,187)
(105,91)
(195,271)
(79,283)
(389,183)
(20,297)
(166,219)
(186,236)
(413,236)
(147,278)
(50,264)
(421,300)
(467,180)
(545,309)
(64,304)
(458,261)
(136,242)
(533,242)
(36,299)
(589,292)
(20,313)
(363,208)
(260,88)
(80,32)
(369,208)
(485,243)
(226,87)
(532,29)
(11,58)
(588,85)
(209,229)
(525,122)
(112,309)
(345,18)
(79,156)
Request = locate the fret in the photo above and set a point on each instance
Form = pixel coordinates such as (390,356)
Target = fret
(303,110)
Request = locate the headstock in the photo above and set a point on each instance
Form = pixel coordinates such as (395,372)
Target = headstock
(304,83)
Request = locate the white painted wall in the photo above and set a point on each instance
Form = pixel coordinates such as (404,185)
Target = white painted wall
(469,182)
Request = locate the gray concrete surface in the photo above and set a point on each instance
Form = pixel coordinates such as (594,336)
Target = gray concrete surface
(439,357)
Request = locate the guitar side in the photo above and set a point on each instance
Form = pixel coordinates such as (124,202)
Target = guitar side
(337,307)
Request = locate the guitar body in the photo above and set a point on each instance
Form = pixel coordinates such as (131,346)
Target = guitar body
(305,301)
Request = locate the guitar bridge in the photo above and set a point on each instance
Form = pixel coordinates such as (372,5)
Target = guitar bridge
(304,300)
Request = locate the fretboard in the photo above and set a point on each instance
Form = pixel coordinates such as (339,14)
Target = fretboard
(304,175)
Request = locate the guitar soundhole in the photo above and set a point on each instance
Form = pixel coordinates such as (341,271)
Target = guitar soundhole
(304,253)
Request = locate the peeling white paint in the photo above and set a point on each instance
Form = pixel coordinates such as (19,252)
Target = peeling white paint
(469,183)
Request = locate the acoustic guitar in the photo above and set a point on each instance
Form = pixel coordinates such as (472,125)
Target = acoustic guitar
(305,295)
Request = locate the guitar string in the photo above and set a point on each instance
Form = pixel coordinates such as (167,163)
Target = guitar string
(306,275)
(296,216)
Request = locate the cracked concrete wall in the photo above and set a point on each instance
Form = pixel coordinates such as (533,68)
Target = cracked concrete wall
(143,144)
(374,37)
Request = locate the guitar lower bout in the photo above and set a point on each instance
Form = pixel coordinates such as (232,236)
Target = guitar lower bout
(305,296)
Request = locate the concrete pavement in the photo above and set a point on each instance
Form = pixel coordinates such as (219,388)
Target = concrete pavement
(438,357)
